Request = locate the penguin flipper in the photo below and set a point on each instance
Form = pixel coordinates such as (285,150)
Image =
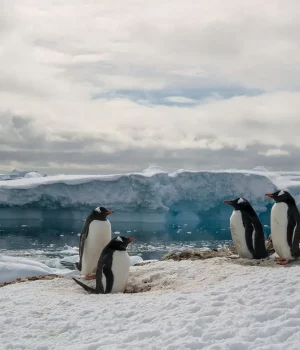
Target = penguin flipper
(84,286)
(293,231)
(259,244)
(109,278)
(249,234)
(83,236)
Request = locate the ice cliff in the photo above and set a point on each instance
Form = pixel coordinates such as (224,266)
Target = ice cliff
(152,190)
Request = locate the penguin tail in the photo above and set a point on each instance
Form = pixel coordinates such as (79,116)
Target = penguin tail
(271,251)
(85,287)
(78,266)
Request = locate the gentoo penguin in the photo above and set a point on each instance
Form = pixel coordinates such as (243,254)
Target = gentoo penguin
(94,236)
(246,230)
(285,226)
(113,268)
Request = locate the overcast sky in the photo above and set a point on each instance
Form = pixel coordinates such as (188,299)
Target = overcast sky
(114,86)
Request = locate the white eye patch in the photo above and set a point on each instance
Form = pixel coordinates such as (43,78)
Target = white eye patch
(119,239)
(280,193)
(241,200)
(98,210)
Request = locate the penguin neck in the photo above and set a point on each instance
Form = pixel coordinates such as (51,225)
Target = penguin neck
(102,219)
(118,250)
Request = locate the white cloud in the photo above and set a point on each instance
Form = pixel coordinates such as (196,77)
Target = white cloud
(275,153)
(55,56)
(180,99)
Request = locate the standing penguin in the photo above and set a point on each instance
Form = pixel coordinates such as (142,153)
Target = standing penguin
(285,226)
(94,236)
(246,230)
(113,268)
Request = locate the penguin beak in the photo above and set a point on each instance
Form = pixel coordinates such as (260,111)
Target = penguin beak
(109,212)
(269,195)
(131,239)
(228,202)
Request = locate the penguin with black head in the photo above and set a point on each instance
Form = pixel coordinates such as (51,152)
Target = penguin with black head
(285,226)
(94,236)
(113,268)
(246,230)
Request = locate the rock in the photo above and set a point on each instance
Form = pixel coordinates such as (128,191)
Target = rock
(29,279)
(146,262)
(198,254)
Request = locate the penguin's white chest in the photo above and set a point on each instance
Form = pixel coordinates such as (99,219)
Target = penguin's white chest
(239,235)
(279,223)
(98,237)
(120,269)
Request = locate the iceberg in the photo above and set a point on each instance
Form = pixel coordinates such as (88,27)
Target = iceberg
(191,194)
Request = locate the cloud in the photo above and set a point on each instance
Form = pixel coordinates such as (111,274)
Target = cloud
(275,153)
(112,86)
(180,99)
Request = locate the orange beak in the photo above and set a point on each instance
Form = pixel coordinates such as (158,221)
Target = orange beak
(269,195)
(228,202)
(131,239)
(109,212)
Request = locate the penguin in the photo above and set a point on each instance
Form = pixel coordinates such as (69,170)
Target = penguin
(285,226)
(94,236)
(113,268)
(246,230)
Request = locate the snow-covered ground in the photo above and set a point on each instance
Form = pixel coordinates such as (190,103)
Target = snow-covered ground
(209,304)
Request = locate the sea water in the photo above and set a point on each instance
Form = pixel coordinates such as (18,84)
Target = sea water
(54,239)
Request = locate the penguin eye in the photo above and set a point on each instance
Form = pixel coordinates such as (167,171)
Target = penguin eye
(241,200)
(119,239)
(98,210)
(280,193)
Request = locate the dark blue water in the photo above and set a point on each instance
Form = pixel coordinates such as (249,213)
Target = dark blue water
(49,236)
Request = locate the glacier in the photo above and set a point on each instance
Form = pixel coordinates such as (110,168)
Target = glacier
(190,194)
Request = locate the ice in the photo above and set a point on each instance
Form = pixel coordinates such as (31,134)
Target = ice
(69,250)
(180,196)
(184,194)
(16,267)
(13,267)
(208,304)
(135,260)
(33,174)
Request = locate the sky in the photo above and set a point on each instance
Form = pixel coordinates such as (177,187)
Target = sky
(91,87)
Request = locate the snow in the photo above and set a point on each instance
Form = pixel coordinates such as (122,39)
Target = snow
(186,194)
(12,267)
(136,259)
(16,267)
(211,304)
(150,190)
(32,174)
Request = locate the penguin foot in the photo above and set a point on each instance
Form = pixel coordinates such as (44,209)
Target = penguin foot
(278,258)
(283,262)
(91,276)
